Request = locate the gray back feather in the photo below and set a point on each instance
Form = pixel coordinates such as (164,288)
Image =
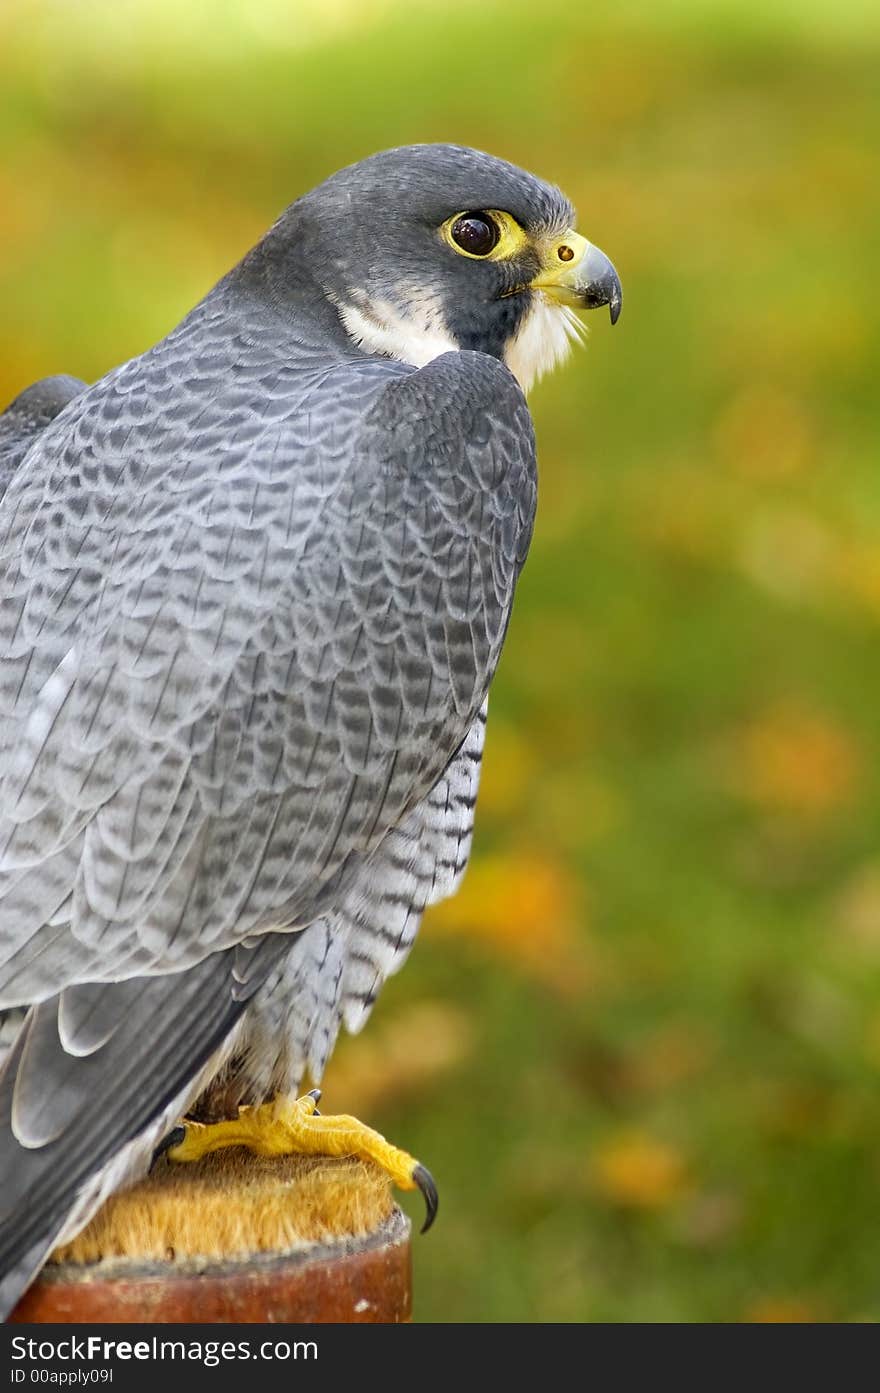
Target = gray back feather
(28,415)
(250,604)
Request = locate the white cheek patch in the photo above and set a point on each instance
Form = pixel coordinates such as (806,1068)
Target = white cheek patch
(415,334)
(543,340)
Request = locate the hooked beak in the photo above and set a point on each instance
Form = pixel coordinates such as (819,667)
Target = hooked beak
(580,274)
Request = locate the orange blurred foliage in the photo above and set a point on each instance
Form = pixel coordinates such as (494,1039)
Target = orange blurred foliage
(397,1058)
(525,908)
(637,1171)
(784,1310)
(792,759)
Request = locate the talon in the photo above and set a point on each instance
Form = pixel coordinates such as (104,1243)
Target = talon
(174,1138)
(425,1181)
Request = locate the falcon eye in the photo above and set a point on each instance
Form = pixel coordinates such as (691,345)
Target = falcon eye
(485,234)
(475,233)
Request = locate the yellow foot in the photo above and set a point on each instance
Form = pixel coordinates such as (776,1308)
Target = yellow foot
(290,1125)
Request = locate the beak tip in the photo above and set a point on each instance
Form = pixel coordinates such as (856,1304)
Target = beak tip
(601,283)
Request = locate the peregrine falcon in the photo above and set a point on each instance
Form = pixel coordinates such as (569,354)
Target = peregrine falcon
(254,586)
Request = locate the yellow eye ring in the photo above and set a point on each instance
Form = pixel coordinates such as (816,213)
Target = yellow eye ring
(489,228)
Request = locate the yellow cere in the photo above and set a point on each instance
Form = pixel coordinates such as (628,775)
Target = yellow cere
(559,272)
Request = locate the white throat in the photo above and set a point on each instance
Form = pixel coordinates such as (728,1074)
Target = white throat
(543,340)
(417,333)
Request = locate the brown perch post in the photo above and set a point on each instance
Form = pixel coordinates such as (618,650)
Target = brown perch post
(236,1238)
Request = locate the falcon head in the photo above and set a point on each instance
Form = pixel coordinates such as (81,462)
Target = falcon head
(432,248)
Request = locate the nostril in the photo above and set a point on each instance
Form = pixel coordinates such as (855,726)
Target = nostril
(564,253)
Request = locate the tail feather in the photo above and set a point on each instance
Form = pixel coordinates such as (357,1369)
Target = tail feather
(165,1033)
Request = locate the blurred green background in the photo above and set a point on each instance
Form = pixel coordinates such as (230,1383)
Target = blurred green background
(641,1051)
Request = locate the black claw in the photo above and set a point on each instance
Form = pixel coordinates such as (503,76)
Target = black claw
(174,1138)
(425,1181)
(316,1094)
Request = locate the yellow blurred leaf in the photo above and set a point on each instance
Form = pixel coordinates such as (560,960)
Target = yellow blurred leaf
(790,553)
(508,769)
(637,1171)
(397,1058)
(795,760)
(856,913)
(526,909)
